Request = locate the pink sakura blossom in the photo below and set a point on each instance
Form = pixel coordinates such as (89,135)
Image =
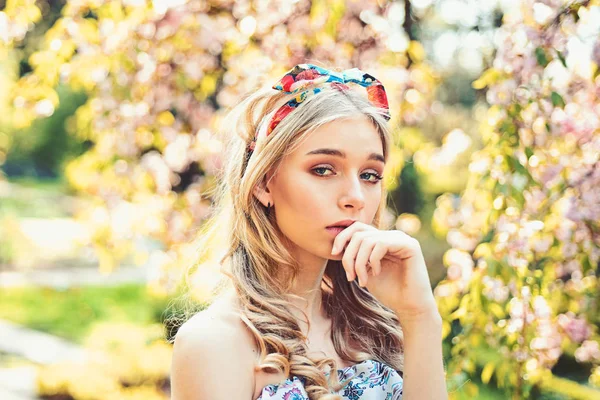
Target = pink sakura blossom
(577,329)
(536,73)
(588,351)
(596,52)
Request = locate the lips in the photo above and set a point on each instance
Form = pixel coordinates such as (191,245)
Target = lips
(339,226)
(342,224)
(335,230)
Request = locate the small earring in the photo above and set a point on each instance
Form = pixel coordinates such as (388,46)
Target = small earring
(268,209)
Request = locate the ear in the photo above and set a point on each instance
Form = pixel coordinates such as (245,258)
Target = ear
(263,194)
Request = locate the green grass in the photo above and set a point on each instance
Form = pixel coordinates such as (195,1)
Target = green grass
(33,208)
(54,186)
(71,313)
(29,198)
(36,198)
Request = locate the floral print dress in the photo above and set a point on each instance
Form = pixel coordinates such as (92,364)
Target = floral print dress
(369,380)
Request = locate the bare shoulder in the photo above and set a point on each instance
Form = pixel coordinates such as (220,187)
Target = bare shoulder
(213,356)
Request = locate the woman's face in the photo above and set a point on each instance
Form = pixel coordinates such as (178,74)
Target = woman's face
(333,175)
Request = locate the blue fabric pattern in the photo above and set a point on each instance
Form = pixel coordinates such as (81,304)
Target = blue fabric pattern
(369,380)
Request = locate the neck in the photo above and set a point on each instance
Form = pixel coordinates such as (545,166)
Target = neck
(306,293)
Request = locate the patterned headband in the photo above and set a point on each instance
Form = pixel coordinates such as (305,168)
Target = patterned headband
(304,80)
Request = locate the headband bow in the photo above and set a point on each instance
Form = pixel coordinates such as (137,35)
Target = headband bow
(303,80)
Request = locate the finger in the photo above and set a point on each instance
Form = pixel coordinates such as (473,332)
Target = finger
(350,254)
(362,258)
(344,236)
(341,238)
(378,252)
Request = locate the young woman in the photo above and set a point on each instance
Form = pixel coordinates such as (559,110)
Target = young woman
(316,284)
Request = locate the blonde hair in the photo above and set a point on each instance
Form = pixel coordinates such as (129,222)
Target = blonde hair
(258,264)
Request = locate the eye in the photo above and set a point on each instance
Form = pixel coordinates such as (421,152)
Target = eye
(377,177)
(322,168)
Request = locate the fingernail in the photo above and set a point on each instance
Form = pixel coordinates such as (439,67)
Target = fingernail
(334,250)
(348,276)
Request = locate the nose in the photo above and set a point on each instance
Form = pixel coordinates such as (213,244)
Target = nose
(353,195)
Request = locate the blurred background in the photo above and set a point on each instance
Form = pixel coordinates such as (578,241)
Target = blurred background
(109,152)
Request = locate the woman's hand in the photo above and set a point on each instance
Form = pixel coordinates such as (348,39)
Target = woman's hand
(392,267)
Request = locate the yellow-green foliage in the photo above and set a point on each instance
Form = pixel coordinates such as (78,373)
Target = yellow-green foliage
(569,388)
(125,362)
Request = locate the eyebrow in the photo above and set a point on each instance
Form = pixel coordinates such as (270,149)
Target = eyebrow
(338,153)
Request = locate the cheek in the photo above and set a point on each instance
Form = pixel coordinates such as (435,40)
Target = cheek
(302,198)
(303,209)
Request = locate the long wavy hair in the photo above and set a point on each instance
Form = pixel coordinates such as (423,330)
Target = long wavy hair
(258,264)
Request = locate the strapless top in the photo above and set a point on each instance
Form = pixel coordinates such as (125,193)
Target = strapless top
(369,380)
